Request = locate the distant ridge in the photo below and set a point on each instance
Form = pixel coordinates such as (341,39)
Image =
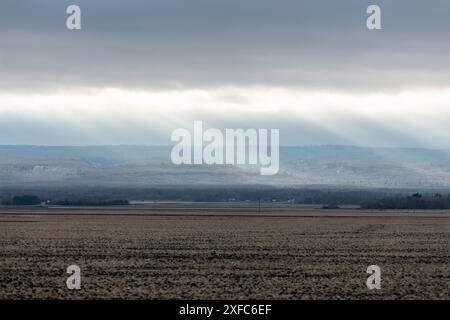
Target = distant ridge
(143,166)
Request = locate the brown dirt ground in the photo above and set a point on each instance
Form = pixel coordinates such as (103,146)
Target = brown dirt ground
(304,254)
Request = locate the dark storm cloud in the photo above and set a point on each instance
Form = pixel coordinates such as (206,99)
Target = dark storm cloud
(145,44)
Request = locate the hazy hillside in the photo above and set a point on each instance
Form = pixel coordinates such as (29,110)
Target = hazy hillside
(137,166)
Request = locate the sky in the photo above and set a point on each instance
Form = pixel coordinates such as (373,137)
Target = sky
(137,70)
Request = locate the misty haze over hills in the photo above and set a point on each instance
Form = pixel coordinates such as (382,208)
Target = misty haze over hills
(150,166)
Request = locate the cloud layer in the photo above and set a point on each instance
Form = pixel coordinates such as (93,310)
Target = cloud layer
(176,43)
(139,69)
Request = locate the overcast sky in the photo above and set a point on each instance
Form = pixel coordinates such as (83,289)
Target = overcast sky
(137,70)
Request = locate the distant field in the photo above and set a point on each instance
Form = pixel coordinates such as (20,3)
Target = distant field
(211,251)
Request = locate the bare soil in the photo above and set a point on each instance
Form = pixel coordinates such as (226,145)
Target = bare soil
(223,253)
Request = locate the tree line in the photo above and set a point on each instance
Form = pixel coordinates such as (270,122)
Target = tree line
(32,200)
(415,201)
